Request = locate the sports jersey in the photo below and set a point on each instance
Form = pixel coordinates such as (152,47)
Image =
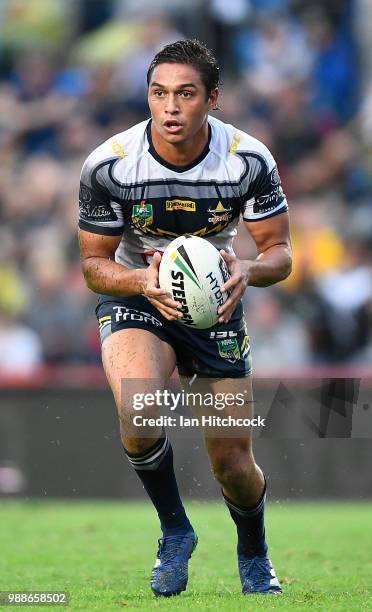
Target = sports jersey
(128,190)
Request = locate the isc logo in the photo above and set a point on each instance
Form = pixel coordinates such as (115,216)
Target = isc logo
(220,335)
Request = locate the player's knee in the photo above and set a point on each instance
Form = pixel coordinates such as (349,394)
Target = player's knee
(232,468)
(132,440)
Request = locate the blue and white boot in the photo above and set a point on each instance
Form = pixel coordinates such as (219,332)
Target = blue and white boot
(170,572)
(257,575)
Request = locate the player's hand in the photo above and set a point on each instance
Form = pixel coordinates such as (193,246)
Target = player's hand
(169,308)
(236,284)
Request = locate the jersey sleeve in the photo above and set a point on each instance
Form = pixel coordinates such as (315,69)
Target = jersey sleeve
(99,213)
(263,195)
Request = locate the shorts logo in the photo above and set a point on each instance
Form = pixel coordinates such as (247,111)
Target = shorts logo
(104,320)
(142,214)
(222,334)
(245,348)
(122,313)
(229,349)
(186,205)
(220,213)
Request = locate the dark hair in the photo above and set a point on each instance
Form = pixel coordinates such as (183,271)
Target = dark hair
(194,53)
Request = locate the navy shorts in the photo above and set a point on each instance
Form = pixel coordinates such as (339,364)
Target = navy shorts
(223,351)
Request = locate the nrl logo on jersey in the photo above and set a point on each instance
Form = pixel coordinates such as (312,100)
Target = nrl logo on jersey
(142,214)
(186,205)
(220,213)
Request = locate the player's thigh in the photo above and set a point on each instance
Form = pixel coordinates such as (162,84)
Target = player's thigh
(222,398)
(136,360)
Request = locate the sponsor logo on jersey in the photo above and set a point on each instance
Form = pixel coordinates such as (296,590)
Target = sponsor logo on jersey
(85,194)
(269,201)
(142,214)
(186,205)
(235,143)
(220,213)
(178,291)
(274,177)
(118,149)
(229,349)
(93,211)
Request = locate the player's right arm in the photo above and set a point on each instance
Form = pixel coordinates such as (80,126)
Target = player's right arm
(103,275)
(100,232)
(101,272)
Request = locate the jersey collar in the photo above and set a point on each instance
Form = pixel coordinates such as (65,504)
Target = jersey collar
(173,167)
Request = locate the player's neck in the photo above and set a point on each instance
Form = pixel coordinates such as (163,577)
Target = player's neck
(183,153)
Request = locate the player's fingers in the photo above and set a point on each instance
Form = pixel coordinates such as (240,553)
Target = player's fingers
(226,316)
(155,292)
(227,256)
(156,259)
(166,300)
(232,282)
(167,312)
(168,316)
(225,311)
(169,303)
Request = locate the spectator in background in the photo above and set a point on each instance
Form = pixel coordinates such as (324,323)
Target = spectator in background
(228,21)
(279,56)
(278,337)
(339,319)
(335,82)
(129,76)
(20,347)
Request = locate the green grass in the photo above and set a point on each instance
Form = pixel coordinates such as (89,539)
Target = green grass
(102,553)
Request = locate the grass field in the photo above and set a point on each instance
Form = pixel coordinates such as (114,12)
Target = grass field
(102,553)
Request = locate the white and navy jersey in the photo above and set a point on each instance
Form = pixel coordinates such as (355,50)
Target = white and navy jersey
(128,190)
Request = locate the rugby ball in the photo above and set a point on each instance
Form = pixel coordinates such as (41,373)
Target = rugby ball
(192,272)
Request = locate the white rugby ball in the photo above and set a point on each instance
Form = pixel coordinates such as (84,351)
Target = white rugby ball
(192,271)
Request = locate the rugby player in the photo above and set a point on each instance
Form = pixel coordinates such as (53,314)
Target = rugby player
(182,171)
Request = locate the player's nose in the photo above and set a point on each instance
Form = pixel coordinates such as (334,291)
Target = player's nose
(172,104)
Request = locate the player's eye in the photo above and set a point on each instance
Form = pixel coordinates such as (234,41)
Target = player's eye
(158,93)
(186,94)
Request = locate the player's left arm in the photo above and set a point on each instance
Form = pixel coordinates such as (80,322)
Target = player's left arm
(272,264)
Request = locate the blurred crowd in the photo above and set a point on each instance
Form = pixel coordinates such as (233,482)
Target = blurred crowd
(295,74)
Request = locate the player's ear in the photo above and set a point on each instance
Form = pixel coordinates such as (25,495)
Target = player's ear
(213,100)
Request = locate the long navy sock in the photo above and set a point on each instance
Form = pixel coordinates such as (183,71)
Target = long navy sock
(154,467)
(250,527)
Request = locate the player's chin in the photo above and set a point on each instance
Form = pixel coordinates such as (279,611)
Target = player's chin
(174,138)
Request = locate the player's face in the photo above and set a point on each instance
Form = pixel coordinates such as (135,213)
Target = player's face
(178,102)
